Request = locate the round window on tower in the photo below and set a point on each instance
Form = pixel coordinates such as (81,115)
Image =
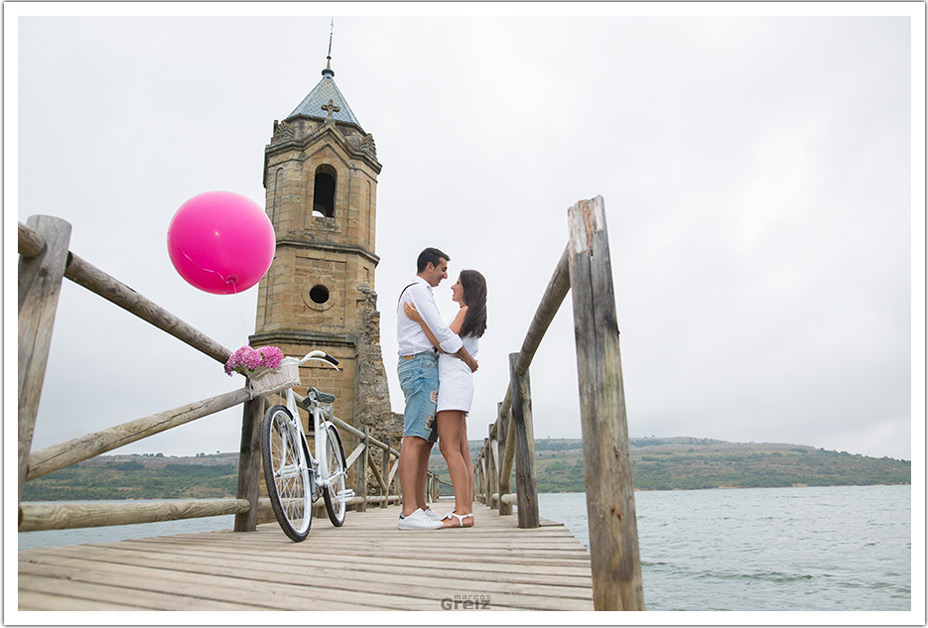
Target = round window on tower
(317,296)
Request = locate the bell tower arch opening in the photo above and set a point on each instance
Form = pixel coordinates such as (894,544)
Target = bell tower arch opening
(324,191)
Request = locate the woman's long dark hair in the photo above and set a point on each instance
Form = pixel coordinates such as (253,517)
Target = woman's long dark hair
(475,298)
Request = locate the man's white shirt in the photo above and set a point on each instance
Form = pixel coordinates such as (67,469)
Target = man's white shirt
(409,335)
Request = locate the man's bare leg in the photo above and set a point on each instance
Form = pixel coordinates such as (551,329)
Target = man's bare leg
(422,473)
(408,470)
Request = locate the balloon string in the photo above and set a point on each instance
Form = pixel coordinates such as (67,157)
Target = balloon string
(221,276)
(240,312)
(184,253)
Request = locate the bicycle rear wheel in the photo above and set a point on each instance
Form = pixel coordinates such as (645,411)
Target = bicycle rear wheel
(334,493)
(287,473)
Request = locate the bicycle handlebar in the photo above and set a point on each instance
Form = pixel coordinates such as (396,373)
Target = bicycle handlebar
(320,356)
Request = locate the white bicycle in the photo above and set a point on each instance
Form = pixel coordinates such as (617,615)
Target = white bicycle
(293,476)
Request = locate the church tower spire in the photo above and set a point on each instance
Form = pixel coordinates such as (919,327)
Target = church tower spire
(320,179)
(328,71)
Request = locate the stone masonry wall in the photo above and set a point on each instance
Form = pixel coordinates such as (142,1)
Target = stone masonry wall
(372,405)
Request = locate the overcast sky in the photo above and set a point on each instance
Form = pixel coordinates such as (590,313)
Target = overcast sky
(756,172)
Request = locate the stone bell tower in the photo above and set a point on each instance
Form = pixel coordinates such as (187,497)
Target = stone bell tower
(320,177)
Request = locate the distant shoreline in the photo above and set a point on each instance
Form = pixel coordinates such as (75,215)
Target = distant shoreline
(446,496)
(678,463)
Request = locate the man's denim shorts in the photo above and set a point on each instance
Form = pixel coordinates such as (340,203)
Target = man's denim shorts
(419,380)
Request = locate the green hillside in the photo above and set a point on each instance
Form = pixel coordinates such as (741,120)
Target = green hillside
(138,477)
(695,463)
(657,464)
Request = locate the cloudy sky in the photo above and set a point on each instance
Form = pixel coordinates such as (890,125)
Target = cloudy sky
(756,169)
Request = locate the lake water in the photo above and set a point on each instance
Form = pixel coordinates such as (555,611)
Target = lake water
(772,549)
(842,548)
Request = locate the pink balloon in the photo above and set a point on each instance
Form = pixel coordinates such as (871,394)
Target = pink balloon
(221,242)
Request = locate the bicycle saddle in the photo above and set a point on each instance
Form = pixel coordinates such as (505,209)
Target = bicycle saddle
(313,393)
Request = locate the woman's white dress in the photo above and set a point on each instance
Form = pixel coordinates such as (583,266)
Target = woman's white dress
(455,379)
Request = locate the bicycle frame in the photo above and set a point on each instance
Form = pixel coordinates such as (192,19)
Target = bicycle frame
(319,416)
(295,478)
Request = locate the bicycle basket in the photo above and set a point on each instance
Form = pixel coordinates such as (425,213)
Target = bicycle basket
(287,375)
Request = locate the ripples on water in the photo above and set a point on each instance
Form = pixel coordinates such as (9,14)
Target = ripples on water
(804,549)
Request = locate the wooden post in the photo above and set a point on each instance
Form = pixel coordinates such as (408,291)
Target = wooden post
(381,483)
(39,287)
(492,462)
(393,479)
(502,423)
(249,463)
(610,496)
(385,472)
(361,485)
(488,472)
(478,480)
(484,489)
(505,466)
(524,433)
(494,483)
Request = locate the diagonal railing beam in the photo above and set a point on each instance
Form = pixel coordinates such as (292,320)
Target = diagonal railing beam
(44,461)
(86,274)
(554,295)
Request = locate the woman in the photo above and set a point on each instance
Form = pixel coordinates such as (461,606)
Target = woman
(456,390)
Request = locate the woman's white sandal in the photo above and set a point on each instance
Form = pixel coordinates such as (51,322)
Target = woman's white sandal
(460,519)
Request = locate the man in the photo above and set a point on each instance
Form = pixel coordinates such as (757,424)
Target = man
(418,375)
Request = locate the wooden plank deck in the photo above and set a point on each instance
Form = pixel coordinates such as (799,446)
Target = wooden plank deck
(367,564)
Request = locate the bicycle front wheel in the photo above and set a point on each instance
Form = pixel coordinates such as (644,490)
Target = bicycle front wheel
(287,473)
(334,493)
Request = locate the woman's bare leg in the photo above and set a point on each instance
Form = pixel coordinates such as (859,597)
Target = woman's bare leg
(469,465)
(450,423)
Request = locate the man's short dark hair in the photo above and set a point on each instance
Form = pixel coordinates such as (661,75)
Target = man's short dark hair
(430,255)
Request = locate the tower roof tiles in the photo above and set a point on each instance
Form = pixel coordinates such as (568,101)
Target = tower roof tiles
(317,102)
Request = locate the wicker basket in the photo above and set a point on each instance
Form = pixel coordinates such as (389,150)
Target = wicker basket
(287,375)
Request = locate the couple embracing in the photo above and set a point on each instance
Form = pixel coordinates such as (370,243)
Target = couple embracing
(436,366)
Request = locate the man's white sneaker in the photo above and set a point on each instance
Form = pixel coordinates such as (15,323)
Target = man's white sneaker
(431,514)
(419,521)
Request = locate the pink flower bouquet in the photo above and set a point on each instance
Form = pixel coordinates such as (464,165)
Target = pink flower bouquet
(250,362)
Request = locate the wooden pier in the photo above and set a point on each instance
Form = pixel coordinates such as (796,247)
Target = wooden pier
(505,562)
(368,564)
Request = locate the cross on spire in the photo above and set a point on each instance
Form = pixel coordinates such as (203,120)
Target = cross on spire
(331,108)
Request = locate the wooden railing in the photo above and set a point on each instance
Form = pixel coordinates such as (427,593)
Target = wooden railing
(585,268)
(44,261)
